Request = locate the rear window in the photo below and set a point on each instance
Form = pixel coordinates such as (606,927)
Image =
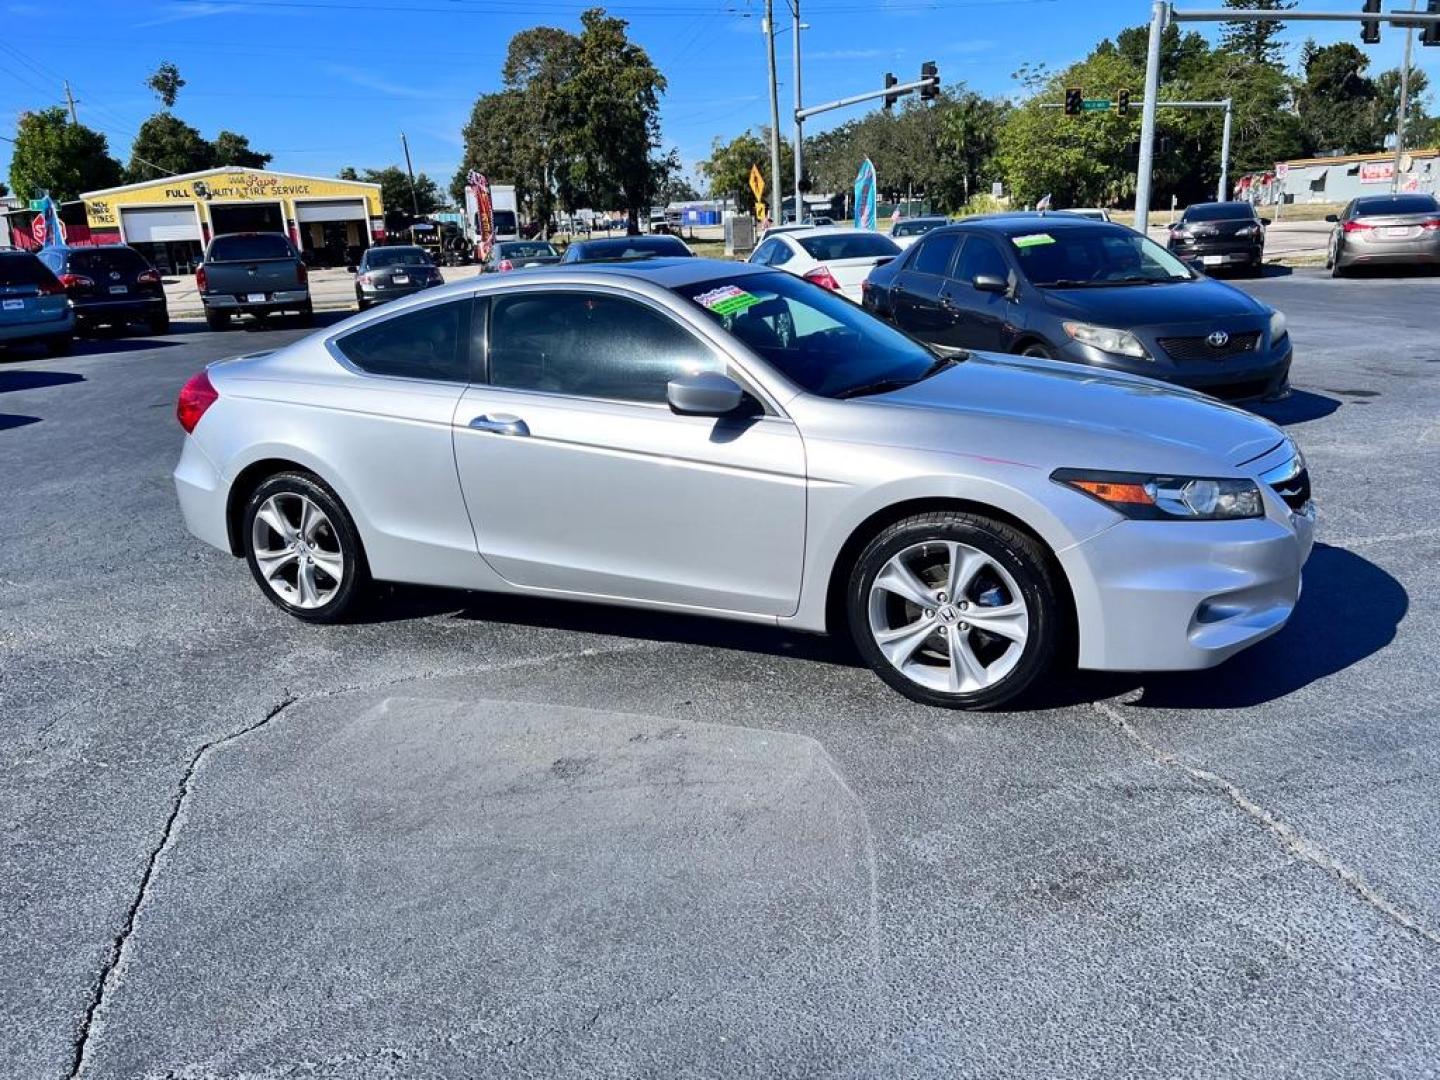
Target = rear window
(101,262)
(23,270)
(400,256)
(1400,204)
(525,251)
(856,245)
(504,221)
(914,228)
(250,247)
(633,247)
(1224,211)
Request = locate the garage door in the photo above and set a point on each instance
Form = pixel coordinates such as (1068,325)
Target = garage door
(158,226)
(331,210)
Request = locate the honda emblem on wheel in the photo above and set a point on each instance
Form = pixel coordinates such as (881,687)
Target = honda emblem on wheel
(1218,339)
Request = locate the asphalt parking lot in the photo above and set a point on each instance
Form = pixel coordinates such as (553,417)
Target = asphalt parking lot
(487,837)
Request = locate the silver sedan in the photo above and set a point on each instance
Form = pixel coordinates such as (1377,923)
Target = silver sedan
(733,441)
(1385,230)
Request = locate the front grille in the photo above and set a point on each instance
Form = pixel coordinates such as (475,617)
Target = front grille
(1199,348)
(1295,491)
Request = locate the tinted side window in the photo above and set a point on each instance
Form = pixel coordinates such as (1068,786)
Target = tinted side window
(782,254)
(980,256)
(426,344)
(588,345)
(23,269)
(764,253)
(934,254)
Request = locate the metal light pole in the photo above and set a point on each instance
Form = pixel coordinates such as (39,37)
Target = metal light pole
(1223,192)
(1158,10)
(799,123)
(414,198)
(775,204)
(1404,106)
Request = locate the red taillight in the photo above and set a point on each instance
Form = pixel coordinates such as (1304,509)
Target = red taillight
(506,264)
(1432,224)
(200,278)
(149,277)
(70,281)
(52,287)
(196,396)
(1358,226)
(302,275)
(821,276)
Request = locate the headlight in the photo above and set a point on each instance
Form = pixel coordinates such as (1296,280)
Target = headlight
(1105,339)
(1158,498)
(1277,325)
(1247,230)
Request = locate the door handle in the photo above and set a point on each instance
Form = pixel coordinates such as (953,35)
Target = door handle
(948,302)
(500,424)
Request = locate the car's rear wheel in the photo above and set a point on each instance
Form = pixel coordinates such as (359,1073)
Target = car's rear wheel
(307,314)
(303,549)
(159,324)
(954,609)
(217,320)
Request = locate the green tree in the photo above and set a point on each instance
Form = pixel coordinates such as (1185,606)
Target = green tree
(727,169)
(166,82)
(51,154)
(1258,42)
(492,147)
(674,187)
(1421,129)
(395,188)
(165,146)
(1336,100)
(233,149)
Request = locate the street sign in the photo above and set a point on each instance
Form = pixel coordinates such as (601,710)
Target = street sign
(757,183)
(1095,105)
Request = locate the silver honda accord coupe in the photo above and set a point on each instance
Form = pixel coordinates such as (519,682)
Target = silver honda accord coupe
(708,437)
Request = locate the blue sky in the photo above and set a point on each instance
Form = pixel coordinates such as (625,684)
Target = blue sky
(326,83)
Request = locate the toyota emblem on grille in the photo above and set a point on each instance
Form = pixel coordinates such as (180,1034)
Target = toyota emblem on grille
(114,275)
(1218,339)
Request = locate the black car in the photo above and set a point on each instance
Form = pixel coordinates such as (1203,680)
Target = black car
(625,247)
(112,286)
(1220,234)
(1062,287)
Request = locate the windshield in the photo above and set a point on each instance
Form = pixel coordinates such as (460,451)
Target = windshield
(535,250)
(250,247)
(397,256)
(916,228)
(1103,255)
(847,245)
(1398,204)
(103,261)
(1220,211)
(816,338)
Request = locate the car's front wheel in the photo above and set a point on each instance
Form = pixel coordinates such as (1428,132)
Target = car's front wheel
(955,609)
(303,549)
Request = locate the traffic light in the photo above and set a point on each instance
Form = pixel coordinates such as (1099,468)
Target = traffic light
(1122,99)
(931,74)
(1074,101)
(1431,34)
(890,99)
(1370,28)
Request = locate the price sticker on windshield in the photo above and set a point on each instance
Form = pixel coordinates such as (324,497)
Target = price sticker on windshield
(1032,240)
(727,300)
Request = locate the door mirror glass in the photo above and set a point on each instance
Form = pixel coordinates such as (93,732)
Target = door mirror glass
(704,393)
(1332,218)
(352,268)
(1264,221)
(991,283)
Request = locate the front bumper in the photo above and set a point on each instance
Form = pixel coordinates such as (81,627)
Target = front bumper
(1258,376)
(284,300)
(1184,595)
(1219,251)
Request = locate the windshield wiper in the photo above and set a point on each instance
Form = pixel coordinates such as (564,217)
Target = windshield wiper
(879,386)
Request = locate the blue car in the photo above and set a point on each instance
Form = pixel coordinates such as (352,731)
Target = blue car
(1066,288)
(33,304)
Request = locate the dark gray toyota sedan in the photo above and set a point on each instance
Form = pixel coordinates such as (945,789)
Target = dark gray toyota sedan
(1059,286)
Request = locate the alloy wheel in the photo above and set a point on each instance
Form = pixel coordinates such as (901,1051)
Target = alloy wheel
(297,550)
(948,617)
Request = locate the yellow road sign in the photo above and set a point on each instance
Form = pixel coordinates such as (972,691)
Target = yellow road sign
(760,210)
(757,183)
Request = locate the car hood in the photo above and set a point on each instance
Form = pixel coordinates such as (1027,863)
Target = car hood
(1051,414)
(1128,306)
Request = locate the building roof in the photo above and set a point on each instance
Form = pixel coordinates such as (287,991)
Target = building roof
(220,169)
(1353,159)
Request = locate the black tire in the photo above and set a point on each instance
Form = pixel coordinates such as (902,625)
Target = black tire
(360,304)
(60,346)
(217,320)
(355,576)
(159,324)
(1037,350)
(1336,269)
(1016,552)
(307,314)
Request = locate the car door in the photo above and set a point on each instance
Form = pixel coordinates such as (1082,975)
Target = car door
(916,300)
(980,320)
(580,479)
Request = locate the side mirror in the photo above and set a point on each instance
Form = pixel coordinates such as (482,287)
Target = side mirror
(352,269)
(1332,218)
(991,283)
(1264,221)
(705,393)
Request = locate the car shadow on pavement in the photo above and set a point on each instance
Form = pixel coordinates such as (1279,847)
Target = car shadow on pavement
(105,344)
(8,421)
(1349,610)
(1300,407)
(36,380)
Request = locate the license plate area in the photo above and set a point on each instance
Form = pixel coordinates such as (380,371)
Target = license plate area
(255,298)
(402,279)
(119,290)
(1396,232)
(13,305)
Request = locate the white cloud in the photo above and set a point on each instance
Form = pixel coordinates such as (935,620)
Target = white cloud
(367,81)
(174,13)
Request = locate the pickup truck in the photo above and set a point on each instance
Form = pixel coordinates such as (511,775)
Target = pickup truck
(252,274)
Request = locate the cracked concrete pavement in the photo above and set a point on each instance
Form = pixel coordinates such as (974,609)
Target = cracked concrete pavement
(480,836)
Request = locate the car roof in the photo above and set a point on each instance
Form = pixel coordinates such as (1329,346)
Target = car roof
(1018,223)
(1236,204)
(1375,200)
(622,241)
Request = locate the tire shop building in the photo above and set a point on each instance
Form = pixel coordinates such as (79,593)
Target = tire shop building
(172,219)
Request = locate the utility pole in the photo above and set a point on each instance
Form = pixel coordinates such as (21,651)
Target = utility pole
(1223,192)
(799,123)
(414,198)
(1158,11)
(775,204)
(1404,105)
(70,98)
